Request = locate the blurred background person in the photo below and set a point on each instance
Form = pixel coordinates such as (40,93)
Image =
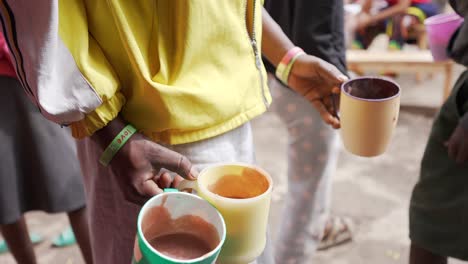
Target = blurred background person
(439,200)
(393,17)
(317,27)
(39,170)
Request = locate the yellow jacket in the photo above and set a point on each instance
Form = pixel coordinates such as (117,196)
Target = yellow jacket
(178,70)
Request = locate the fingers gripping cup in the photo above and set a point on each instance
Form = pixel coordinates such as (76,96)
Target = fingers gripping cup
(369,108)
(178,227)
(242,194)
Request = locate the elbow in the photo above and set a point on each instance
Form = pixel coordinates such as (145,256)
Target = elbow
(65,107)
(66,100)
(60,113)
(54,111)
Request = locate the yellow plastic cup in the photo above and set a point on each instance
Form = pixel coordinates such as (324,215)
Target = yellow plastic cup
(246,219)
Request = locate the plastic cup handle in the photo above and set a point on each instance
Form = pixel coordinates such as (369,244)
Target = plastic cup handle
(187,185)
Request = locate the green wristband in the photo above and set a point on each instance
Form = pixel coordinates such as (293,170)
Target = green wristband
(116,144)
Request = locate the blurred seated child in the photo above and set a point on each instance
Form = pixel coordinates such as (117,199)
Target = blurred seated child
(395,19)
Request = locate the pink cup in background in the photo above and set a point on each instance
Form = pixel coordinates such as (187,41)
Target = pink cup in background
(439,31)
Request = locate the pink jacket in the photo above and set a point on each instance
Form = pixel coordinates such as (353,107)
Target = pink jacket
(6,65)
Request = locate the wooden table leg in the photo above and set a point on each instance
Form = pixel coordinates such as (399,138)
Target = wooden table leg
(355,68)
(448,81)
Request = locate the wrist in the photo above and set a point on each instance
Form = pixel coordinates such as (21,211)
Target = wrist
(104,136)
(284,68)
(280,53)
(113,138)
(117,144)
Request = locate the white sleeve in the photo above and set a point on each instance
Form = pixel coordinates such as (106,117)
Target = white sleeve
(44,65)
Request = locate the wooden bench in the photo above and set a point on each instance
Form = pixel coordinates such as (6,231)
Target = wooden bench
(361,61)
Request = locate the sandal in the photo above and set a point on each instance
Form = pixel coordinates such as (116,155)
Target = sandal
(339,230)
(394,46)
(35,239)
(66,238)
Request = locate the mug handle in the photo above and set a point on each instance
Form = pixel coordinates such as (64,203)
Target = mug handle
(188,186)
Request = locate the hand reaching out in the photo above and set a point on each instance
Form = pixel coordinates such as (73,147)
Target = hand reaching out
(317,80)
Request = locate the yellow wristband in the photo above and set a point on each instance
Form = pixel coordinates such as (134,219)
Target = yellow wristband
(284,67)
(288,69)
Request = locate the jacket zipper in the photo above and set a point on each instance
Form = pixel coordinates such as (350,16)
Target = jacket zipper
(253,42)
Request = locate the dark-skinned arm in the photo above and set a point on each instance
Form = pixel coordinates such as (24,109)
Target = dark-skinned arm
(310,76)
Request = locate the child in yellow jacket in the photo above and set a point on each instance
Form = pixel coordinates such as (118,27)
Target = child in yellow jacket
(187,75)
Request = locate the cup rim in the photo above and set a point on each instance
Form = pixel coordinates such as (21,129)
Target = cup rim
(442,18)
(374,78)
(233,200)
(188,261)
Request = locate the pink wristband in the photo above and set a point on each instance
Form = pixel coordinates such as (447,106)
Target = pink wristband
(290,54)
(281,71)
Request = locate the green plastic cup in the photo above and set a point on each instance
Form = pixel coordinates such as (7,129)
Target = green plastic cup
(179,204)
